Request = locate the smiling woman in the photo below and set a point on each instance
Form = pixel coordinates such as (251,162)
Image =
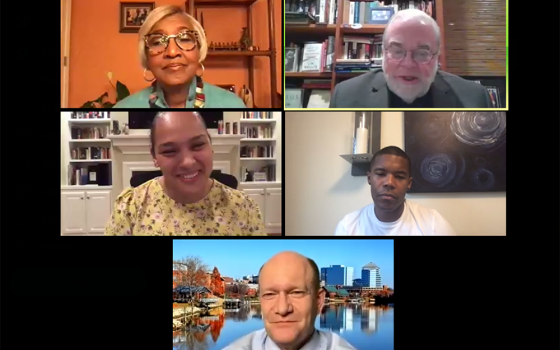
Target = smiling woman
(172,46)
(185,201)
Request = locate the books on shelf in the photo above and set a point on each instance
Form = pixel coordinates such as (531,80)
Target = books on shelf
(362,12)
(89,175)
(83,153)
(269,170)
(257,115)
(316,84)
(80,133)
(257,132)
(310,56)
(300,12)
(291,61)
(321,11)
(89,115)
(299,18)
(257,151)
(319,99)
(293,97)
(360,47)
(360,54)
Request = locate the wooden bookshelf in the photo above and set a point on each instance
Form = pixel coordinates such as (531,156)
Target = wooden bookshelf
(347,75)
(193,5)
(238,53)
(325,29)
(320,31)
(225,3)
(310,75)
(365,29)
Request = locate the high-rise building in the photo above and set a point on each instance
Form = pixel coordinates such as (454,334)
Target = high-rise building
(371,276)
(357,282)
(337,274)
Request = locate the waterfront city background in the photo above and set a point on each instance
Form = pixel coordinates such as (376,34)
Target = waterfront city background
(223,304)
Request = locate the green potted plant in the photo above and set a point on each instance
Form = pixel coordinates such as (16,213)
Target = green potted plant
(103,100)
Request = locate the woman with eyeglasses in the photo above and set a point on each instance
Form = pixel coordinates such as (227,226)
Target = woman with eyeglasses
(172,46)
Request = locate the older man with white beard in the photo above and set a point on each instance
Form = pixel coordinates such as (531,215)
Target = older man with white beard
(410,77)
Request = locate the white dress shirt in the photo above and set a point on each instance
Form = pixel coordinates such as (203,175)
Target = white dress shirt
(259,340)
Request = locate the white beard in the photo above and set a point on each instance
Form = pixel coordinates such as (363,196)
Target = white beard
(410,93)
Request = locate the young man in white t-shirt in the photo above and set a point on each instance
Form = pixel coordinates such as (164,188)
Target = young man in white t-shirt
(390,214)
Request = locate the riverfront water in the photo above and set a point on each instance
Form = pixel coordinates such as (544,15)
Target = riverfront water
(365,327)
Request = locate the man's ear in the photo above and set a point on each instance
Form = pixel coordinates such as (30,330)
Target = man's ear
(321,299)
(368,178)
(409,183)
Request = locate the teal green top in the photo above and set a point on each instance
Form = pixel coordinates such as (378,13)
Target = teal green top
(215,97)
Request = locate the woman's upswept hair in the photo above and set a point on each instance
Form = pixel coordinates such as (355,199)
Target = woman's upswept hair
(153,130)
(157,15)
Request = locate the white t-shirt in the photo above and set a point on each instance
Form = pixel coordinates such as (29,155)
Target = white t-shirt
(416,220)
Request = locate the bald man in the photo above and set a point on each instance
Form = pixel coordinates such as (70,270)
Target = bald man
(291,298)
(410,77)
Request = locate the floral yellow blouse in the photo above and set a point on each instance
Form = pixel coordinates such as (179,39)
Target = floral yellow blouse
(148,211)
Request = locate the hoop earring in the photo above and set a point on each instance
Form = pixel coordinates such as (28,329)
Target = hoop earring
(202,70)
(149,81)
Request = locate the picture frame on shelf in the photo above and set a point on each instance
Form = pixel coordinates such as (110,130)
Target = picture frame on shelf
(291,60)
(133,15)
(494,96)
(380,14)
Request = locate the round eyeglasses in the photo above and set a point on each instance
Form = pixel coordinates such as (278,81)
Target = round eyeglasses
(421,56)
(157,42)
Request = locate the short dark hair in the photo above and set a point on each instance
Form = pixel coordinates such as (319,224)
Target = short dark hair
(315,279)
(395,151)
(153,130)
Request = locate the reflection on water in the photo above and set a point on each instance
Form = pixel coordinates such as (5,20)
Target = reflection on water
(203,333)
(364,326)
(242,314)
(340,318)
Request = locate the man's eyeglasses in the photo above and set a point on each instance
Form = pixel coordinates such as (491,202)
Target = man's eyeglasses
(421,56)
(157,43)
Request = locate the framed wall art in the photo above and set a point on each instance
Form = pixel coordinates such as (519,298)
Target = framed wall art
(133,15)
(456,151)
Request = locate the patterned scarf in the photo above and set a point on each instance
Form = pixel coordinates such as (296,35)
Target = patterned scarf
(199,98)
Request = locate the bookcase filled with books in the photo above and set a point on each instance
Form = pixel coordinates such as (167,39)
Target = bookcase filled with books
(328,41)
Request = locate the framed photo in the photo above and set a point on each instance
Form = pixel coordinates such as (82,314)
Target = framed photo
(291,59)
(133,15)
(494,96)
(379,15)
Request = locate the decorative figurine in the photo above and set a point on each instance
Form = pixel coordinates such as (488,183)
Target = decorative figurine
(245,40)
(116,128)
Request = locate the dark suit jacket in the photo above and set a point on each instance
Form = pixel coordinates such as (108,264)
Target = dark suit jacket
(370,90)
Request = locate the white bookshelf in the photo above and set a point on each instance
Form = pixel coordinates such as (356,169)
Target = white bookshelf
(90,121)
(267,194)
(103,126)
(85,208)
(262,139)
